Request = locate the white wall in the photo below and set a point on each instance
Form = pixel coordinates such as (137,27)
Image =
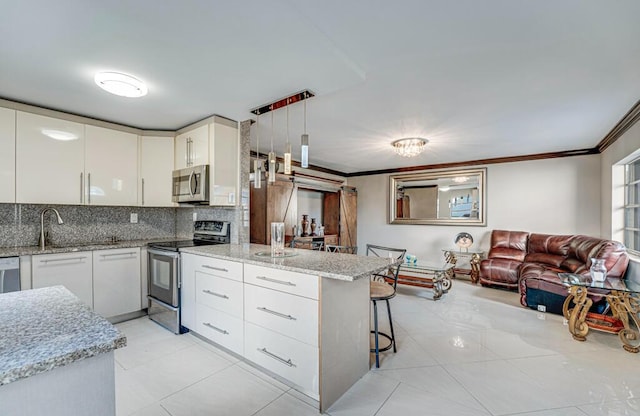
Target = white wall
(626,145)
(310,203)
(555,196)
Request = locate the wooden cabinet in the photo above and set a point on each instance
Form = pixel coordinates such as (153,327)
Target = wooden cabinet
(273,202)
(156,166)
(277,202)
(192,148)
(116,281)
(340,215)
(49,160)
(111,167)
(7,155)
(72,270)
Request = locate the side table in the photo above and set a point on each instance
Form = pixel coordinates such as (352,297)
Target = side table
(472,256)
(623,298)
(431,276)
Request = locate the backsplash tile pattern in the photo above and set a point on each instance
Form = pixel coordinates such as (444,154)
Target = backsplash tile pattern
(20,224)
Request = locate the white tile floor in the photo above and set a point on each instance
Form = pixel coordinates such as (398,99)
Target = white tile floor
(476,351)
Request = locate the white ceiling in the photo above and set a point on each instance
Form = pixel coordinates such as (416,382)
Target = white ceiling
(477,78)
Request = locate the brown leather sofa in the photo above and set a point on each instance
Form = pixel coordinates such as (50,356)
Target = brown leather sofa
(530,263)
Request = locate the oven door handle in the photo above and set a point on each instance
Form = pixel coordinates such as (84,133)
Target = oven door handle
(166,253)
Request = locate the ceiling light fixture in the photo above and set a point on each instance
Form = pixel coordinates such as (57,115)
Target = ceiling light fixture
(272,158)
(409,147)
(287,147)
(460,179)
(304,140)
(257,163)
(121,84)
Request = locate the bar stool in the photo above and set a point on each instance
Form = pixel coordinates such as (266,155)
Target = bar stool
(383,288)
(332,248)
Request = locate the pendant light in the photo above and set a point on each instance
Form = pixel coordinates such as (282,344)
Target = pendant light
(272,156)
(287,147)
(257,163)
(304,140)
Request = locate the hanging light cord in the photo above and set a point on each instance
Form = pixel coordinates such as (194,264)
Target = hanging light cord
(258,135)
(287,123)
(305,113)
(271,129)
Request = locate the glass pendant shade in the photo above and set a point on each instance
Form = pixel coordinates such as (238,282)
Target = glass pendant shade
(304,150)
(287,159)
(409,147)
(257,173)
(272,167)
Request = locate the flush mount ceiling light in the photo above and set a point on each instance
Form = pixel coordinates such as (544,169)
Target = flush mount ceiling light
(409,147)
(460,179)
(121,84)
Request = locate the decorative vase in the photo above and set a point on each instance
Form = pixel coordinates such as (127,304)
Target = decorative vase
(313,227)
(304,224)
(598,270)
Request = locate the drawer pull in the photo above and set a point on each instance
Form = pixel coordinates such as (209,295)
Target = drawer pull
(275,357)
(282,282)
(220,269)
(281,315)
(208,292)
(67,259)
(215,328)
(131,253)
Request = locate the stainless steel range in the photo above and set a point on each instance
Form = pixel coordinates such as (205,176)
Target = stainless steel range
(163,272)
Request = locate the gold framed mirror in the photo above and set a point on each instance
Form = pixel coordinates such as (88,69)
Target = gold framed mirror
(442,197)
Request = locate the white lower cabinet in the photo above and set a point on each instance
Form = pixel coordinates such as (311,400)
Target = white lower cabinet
(71,270)
(220,328)
(289,358)
(116,281)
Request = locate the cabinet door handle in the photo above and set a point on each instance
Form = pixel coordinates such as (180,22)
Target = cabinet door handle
(208,292)
(220,269)
(67,259)
(275,357)
(281,282)
(142,191)
(272,312)
(131,253)
(89,188)
(81,187)
(215,328)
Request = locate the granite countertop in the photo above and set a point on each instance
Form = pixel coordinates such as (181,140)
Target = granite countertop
(53,249)
(43,329)
(331,265)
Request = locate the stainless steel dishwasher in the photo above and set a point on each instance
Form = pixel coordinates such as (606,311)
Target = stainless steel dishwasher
(9,274)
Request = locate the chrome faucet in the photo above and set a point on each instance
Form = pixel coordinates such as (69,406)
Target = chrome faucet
(42,237)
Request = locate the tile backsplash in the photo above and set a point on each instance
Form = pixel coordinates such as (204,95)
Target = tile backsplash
(20,223)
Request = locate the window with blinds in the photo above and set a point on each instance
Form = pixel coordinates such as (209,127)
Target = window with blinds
(632,206)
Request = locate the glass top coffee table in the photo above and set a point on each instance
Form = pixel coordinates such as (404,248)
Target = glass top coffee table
(436,276)
(623,298)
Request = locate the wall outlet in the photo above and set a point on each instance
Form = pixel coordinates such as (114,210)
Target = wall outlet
(542,308)
(134,218)
(195,216)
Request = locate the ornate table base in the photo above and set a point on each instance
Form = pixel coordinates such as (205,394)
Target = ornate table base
(624,308)
(451,258)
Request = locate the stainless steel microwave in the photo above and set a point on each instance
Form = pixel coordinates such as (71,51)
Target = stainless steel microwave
(191,185)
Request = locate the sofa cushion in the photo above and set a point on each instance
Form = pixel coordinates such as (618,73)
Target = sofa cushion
(508,245)
(583,248)
(548,249)
(503,272)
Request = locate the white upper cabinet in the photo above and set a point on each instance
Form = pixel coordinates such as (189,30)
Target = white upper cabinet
(225,163)
(49,160)
(111,167)
(156,166)
(7,155)
(192,148)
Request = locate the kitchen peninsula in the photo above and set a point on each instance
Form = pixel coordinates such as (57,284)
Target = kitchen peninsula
(56,355)
(303,318)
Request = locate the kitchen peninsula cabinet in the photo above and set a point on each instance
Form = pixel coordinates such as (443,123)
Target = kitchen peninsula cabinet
(71,270)
(156,166)
(305,317)
(49,160)
(111,167)
(116,281)
(7,155)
